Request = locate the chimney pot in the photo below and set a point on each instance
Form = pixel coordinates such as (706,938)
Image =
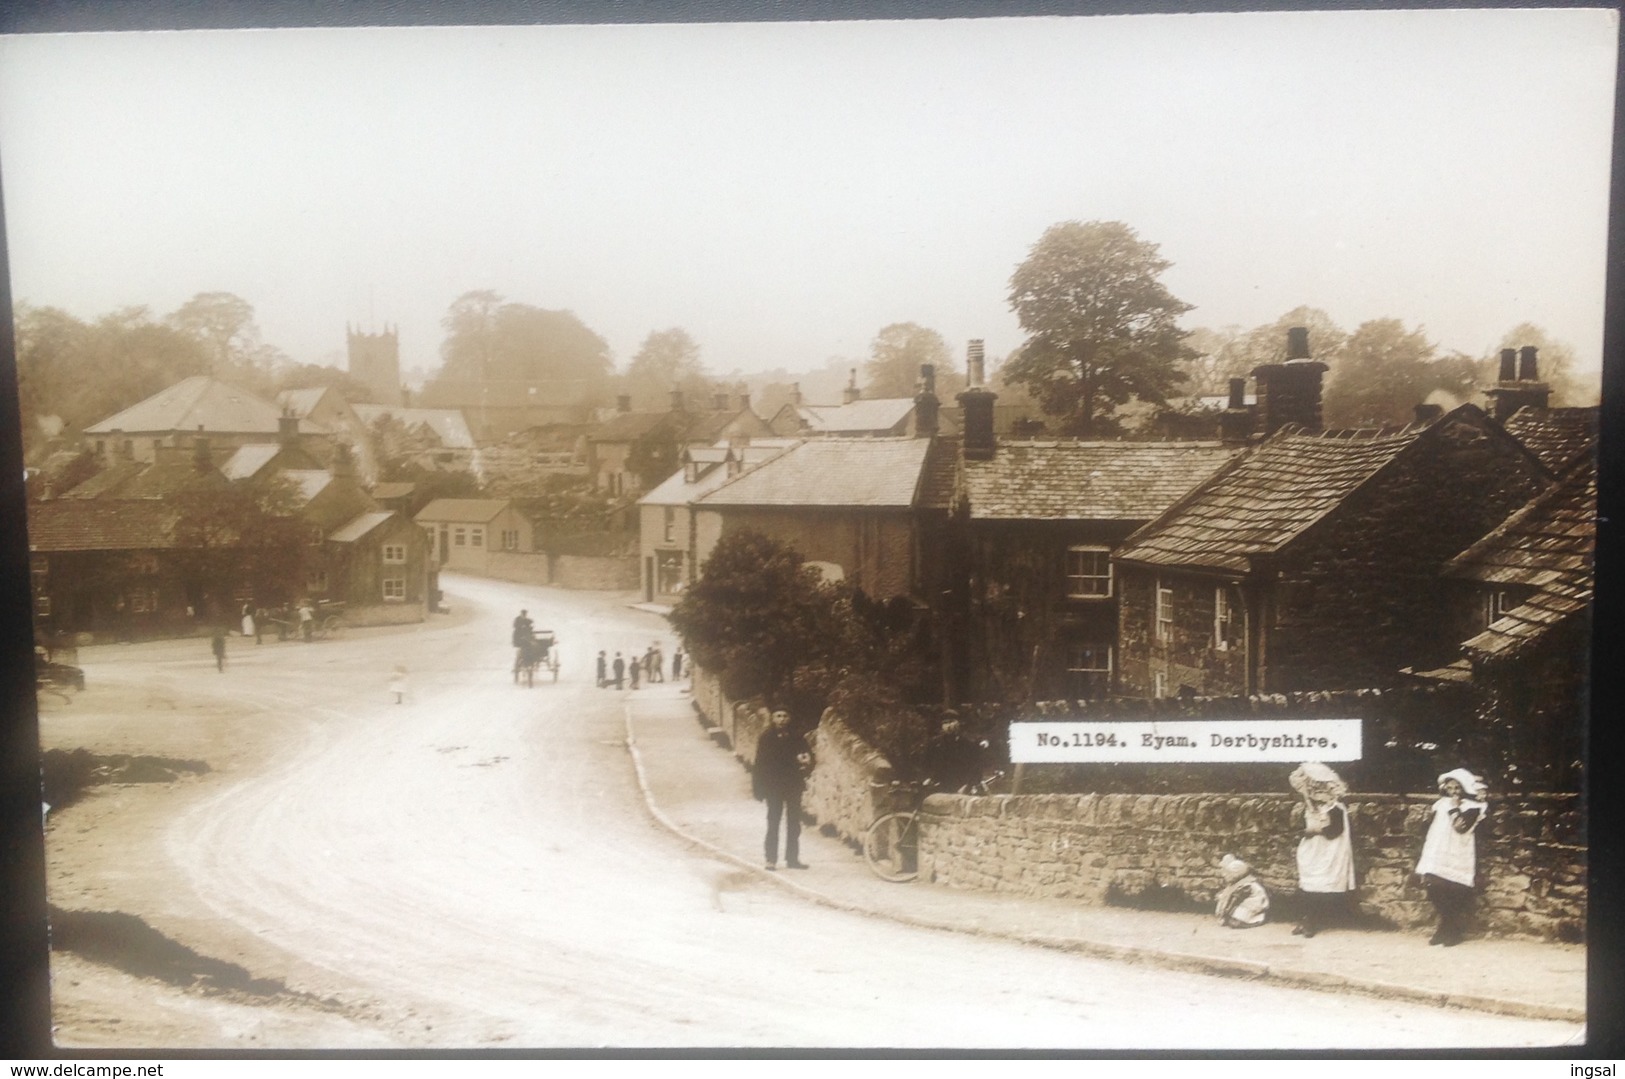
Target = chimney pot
(1238,393)
(851,393)
(928,378)
(1527,371)
(1509,365)
(1297,343)
(795,392)
(973,363)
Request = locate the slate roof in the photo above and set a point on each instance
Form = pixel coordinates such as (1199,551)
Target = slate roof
(353,530)
(1267,497)
(308,481)
(249,460)
(301,402)
(941,476)
(1556,435)
(448,424)
(1549,544)
(107,482)
(629,426)
(845,472)
(1099,481)
(674,490)
(878,415)
(200,401)
(108,525)
(382,491)
(472,510)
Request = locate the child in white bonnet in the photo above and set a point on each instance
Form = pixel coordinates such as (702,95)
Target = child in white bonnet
(1243,902)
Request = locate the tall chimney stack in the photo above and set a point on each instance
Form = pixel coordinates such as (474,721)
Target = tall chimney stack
(1526,364)
(1519,388)
(202,459)
(851,393)
(1236,421)
(926,405)
(976,404)
(1290,392)
(1509,365)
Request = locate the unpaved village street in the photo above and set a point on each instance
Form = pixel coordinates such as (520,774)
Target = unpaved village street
(475,868)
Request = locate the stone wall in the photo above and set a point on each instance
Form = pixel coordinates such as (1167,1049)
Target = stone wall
(849,786)
(384,614)
(618,574)
(1162,851)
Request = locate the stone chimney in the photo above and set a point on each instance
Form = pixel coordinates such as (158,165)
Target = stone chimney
(1520,384)
(795,393)
(1237,420)
(202,459)
(851,393)
(976,402)
(1290,392)
(623,403)
(926,405)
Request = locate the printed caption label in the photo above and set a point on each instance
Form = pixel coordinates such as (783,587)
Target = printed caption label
(1136,742)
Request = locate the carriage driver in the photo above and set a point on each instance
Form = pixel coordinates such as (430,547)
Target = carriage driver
(523,632)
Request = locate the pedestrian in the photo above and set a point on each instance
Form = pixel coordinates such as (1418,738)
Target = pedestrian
(657,663)
(259,623)
(397,684)
(1326,851)
(218,644)
(307,619)
(619,668)
(634,668)
(1243,902)
(603,670)
(1449,862)
(248,621)
(777,778)
(677,663)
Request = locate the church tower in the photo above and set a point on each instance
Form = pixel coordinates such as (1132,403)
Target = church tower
(375,359)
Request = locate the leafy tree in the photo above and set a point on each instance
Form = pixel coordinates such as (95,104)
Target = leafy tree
(1384,371)
(756,615)
(242,532)
(1233,352)
(491,341)
(1102,328)
(895,357)
(667,360)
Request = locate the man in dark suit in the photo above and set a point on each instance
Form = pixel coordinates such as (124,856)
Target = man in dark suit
(778,778)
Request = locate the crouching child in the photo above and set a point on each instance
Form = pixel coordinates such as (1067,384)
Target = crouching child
(1243,902)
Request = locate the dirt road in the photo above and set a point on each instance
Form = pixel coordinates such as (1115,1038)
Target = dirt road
(474,868)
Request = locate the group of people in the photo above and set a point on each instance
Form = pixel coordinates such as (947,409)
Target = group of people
(648,667)
(1447,866)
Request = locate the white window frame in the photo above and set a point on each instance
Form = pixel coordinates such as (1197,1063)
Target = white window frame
(672,562)
(42,606)
(671,524)
(510,539)
(1082,585)
(1159,685)
(394,589)
(476,536)
(1163,624)
(316,580)
(394,554)
(1496,604)
(459,536)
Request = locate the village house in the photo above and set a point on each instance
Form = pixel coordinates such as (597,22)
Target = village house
(106,567)
(378,562)
(667,533)
(496,408)
(464,533)
(325,406)
(634,451)
(1312,560)
(436,439)
(173,417)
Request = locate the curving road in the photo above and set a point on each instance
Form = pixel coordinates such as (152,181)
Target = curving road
(475,868)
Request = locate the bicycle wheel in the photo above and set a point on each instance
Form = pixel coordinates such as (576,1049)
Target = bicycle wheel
(891,846)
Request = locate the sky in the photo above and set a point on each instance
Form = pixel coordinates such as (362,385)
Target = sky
(782,191)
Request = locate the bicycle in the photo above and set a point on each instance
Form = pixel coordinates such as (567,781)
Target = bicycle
(891,845)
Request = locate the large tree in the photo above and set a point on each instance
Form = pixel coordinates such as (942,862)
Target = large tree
(489,340)
(1556,361)
(667,360)
(1233,352)
(895,356)
(1384,371)
(1102,328)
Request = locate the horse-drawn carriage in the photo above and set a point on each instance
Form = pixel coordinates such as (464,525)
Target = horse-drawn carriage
(326,620)
(539,649)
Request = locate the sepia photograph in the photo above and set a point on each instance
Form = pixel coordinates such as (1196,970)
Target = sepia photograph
(1044,533)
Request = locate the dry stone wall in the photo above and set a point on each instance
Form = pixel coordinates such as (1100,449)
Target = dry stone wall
(850,783)
(1163,850)
(609,574)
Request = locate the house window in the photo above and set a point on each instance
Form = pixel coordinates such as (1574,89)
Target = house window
(1165,613)
(39,569)
(1224,618)
(395,588)
(42,606)
(1088,669)
(671,524)
(510,539)
(395,552)
(1088,572)
(476,537)
(316,580)
(1496,604)
(144,562)
(1159,685)
(668,572)
(143,600)
(459,537)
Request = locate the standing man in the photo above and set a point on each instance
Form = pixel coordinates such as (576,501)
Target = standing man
(522,633)
(218,644)
(619,667)
(677,663)
(307,619)
(636,665)
(603,670)
(657,664)
(778,779)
